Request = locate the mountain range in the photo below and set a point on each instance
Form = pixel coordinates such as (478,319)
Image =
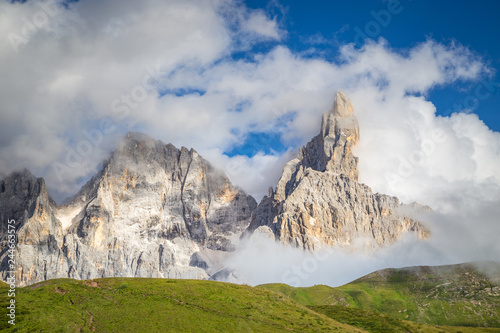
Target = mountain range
(158,211)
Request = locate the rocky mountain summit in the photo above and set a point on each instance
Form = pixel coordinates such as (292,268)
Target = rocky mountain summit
(318,200)
(158,211)
(152,211)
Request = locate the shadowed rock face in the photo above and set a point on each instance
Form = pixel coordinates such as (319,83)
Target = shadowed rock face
(318,200)
(146,214)
(24,198)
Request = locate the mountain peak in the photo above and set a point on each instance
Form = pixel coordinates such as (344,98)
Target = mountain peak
(24,173)
(318,200)
(22,182)
(137,143)
(152,211)
(330,150)
(137,136)
(342,106)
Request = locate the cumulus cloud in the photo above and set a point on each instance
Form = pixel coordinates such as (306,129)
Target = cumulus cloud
(465,236)
(449,163)
(75,78)
(85,74)
(66,70)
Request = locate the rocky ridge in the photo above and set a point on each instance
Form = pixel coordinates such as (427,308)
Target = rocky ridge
(158,211)
(153,211)
(318,200)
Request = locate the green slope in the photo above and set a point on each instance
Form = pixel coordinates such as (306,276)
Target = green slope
(391,300)
(159,305)
(375,322)
(456,295)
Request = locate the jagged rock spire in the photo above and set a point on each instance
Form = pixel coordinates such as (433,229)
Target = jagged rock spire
(318,200)
(331,149)
(342,106)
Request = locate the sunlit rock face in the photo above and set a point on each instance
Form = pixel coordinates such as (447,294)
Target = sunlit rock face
(318,200)
(158,211)
(153,211)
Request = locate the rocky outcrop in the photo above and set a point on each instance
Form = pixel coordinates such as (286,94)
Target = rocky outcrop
(38,233)
(318,200)
(152,211)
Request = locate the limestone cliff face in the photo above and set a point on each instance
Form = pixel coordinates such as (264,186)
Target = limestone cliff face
(153,211)
(150,209)
(318,200)
(38,254)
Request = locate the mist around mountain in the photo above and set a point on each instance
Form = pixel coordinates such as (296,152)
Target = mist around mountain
(158,211)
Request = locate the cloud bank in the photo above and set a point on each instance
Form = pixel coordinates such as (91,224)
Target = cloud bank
(207,74)
(469,236)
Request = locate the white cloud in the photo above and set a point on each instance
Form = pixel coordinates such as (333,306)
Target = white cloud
(260,24)
(102,65)
(68,74)
(465,236)
(64,76)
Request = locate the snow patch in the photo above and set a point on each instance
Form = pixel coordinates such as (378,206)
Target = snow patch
(66,214)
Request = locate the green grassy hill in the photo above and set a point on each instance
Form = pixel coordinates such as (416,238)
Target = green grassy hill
(392,300)
(159,305)
(375,322)
(457,295)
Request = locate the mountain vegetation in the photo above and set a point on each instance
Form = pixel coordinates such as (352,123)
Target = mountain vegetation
(455,295)
(456,298)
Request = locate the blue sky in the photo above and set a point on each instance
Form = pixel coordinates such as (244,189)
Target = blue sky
(319,28)
(472,24)
(245,83)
